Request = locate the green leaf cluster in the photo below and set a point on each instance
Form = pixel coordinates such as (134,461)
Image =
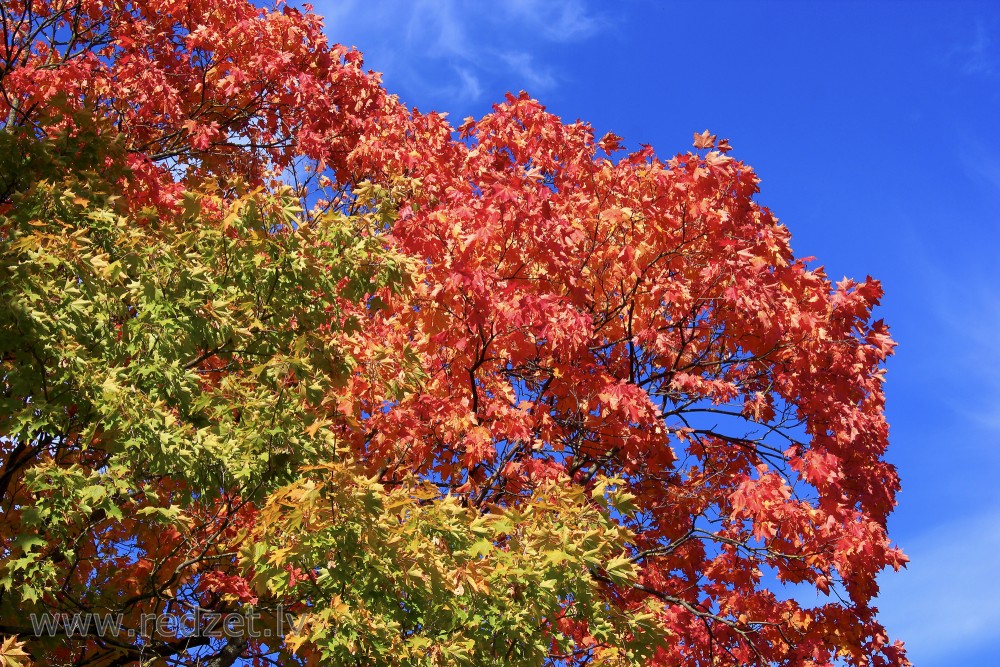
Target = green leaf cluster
(397,575)
(198,345)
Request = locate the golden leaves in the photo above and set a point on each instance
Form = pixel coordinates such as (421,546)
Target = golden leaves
(469,569)
(12,653)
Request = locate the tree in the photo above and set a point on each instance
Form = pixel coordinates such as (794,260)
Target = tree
(271,343)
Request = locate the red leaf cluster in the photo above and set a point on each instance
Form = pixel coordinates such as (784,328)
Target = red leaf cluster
(575,314)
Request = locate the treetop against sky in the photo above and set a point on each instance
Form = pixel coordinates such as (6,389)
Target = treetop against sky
(502,391)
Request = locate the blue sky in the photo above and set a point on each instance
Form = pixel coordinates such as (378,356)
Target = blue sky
(874,127)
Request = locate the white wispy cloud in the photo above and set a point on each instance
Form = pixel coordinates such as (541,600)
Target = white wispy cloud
(526,67)
(470,87)
(979,53)
(965,309)
(947,601)
(558,21)
(436,28)
(446,50)
(975,53)
(959,344)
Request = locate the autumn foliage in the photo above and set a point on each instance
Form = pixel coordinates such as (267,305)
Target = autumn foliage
(495,394)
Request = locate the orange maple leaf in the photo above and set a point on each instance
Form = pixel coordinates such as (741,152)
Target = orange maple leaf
(704,140)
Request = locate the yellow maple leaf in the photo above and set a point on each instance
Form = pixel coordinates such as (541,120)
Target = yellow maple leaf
(12,653)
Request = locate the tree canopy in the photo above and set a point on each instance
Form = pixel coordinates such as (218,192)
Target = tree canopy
(501,393)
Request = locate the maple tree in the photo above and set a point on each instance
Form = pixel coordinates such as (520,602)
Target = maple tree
(497,394)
